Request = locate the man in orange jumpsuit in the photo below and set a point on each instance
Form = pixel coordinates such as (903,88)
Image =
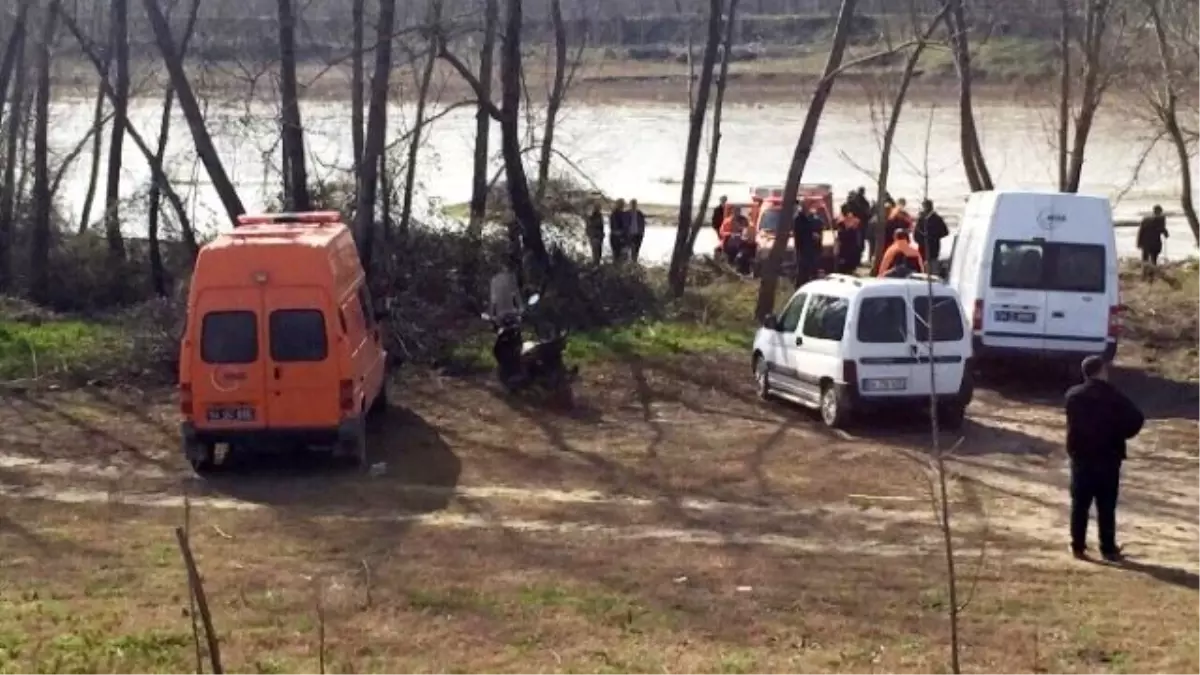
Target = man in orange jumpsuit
(900,259)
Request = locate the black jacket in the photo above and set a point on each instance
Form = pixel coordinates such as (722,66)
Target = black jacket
(1099,421)
(595,225)
(930,229)
(718,217)
(1151,232)
(805,232)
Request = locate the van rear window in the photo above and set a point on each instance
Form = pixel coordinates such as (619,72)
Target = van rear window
(229,337)
(1049,266)
(883,320)
(298,335)
(946,319)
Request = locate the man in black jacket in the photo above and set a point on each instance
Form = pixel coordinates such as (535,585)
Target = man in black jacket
(1150,236)
(1099,421)
(930,231)
(718,215)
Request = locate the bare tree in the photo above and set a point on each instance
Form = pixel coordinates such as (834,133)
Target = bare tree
(978,176)
(295,180)
(483,121)
(39,241)
(112,191)
(804,144)
(1165,101)
(376,138)
(677,274)
(356,81)
(1064,91)
(85,215)
(205,149)
(558,92)
(12,137)
(8,60)
(434,19)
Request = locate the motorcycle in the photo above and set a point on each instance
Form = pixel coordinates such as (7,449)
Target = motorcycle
(522,364)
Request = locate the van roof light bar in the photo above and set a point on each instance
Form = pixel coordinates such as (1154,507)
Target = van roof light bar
(305,217)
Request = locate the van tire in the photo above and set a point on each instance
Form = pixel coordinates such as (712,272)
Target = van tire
(201,456)
(951,416)
(835,406)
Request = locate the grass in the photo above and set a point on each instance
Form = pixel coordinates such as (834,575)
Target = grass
(1162,316)
(34,349)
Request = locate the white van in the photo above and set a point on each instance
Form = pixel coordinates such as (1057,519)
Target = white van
(845,343)
(1038,272)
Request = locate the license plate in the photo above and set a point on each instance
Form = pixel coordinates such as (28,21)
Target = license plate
(885,384)
(240,413)
(1008,316)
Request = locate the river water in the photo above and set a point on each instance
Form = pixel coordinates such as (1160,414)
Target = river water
(636,151)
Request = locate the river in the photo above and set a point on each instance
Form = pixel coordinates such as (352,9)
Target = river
(636,151)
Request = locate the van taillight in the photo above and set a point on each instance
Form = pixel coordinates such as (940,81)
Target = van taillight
(185,399)
(850,373)
(1114,321)
(977,316)
(346,395)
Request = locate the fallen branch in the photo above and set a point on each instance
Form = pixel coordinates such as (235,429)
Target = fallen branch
(196,588)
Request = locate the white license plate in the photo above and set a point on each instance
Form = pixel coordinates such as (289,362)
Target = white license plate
(885,384)
(1008,316)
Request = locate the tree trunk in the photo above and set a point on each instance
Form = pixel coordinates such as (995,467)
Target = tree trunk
(39,241)
(12,142)
(1064,91)
(356,82)
(295,183)
(158,272)
(85,216)
(368,174)
(889,132)
(770,271)
(479,167)
(526,213)
(112,190)
(8,61)
(677,274)
(1092,93)
(978,176)
(205,150)
(555,100)
(414,144)
(710,175)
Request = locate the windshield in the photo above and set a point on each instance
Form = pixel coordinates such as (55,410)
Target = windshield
(1047,266)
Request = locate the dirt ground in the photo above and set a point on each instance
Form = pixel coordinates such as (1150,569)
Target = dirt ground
(671,522)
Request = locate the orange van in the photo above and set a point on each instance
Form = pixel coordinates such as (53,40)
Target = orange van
(282,344)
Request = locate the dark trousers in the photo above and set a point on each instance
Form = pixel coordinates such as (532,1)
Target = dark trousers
(618,248)
(635,246)
(930,254)
(806,268)
(597,249)
(1099,485)
(1150,256)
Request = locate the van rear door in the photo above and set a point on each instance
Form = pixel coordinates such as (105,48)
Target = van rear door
(303,377)
(1015,310)
(884,351)
(942,320)
(1077,300)
(228,375)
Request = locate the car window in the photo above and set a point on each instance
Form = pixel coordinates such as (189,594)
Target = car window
(364,303)
(883,320)
(769,220)
(946,319)
(1047,266)
(791,314)
(229,337)
(826,317)
(298,335)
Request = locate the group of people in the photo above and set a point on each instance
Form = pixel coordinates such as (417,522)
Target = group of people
(626,229)
(738,236)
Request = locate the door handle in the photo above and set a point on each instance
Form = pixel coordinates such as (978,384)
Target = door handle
(1058,315)
(278,372)
(913,349)
(799,340)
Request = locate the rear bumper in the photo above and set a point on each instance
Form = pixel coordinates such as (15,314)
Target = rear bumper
(346,431)
(990,352)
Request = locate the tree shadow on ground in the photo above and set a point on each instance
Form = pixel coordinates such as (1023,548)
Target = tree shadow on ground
(412,469)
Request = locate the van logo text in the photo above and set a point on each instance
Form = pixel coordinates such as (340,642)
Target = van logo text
(227,380)
(1048,220)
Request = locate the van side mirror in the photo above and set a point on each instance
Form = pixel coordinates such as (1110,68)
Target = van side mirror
(770,322)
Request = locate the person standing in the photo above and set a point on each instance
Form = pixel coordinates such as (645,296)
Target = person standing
(635,223)
(616,230)
(806,246)
(847,249)
(929,232)
(718,214)
(1100,419)
(595,233)
(1150,236)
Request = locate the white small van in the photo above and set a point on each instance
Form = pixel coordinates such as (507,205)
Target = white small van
(843,343)
(1038,272)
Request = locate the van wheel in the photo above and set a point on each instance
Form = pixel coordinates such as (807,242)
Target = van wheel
(835,407)
(354,448)
(202,457)
(952,416)
(762,378)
